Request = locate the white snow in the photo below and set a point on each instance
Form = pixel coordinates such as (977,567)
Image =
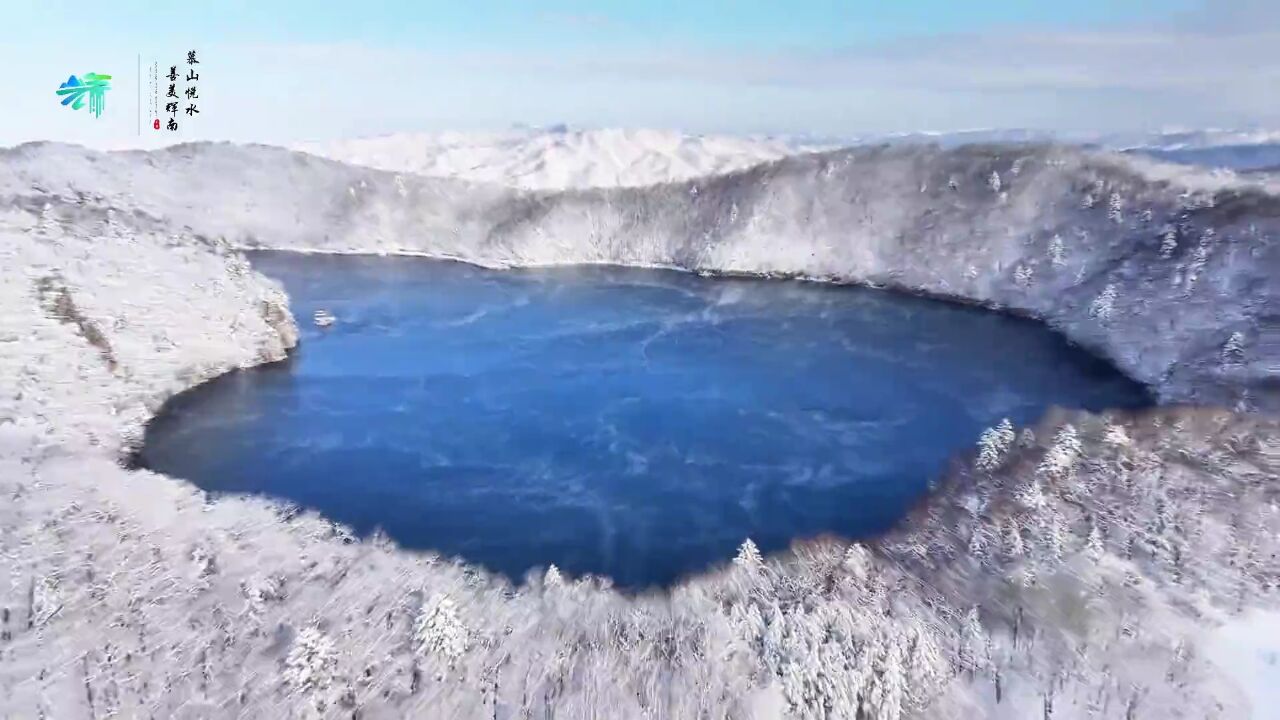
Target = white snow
(1247,650)
(559,159)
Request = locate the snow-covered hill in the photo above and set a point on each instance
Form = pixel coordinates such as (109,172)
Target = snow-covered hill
(559,158)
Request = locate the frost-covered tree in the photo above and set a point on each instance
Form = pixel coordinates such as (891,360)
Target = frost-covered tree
(310,667)
(553,578)
(1233,349)
(1115,208)
(1057,253)
(858,562)
(973,642)
(1023,276)
(888,688)
(1032,495)
(1115,435)
(48,223)
(994,445)
(46,599)
(1059,460)
(440,631)
(1094,546)
(994,182)
(1169,243)
(748,556)
(1103,306)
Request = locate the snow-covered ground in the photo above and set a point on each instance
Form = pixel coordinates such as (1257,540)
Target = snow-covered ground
(1090,566)
(1248,651)
(559,159)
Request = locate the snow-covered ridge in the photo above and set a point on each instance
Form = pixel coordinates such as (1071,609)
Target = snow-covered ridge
(1080,565)
(559,159)
(1099,245)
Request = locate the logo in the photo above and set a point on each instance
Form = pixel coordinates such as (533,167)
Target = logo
(94,85)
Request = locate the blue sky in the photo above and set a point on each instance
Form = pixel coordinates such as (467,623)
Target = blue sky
(290,71)
(754,24)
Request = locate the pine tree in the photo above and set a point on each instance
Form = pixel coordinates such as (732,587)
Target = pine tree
(1057,252)
(1094,547)
(1103,306)
(748,556)
(311,666)
(1060,459)
(1115,208)
(888,688)
(1169,243)
(1115,436)
(48,224)
(994,445)
(973,640)
(1233,350)
(553,578)
(439,630)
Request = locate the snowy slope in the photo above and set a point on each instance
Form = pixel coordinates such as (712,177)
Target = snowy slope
(558,158)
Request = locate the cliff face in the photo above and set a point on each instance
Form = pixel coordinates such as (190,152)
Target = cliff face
(1155,270)
(1076,569)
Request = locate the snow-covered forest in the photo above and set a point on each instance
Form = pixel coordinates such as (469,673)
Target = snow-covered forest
(1078,568)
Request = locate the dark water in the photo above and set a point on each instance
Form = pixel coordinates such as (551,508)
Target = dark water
(632,423)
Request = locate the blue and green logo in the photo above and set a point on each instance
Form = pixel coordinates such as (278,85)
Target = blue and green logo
(94,85)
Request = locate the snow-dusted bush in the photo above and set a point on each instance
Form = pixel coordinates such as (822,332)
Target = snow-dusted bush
(994,182)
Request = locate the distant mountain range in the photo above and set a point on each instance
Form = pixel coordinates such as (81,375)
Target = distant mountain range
(560,157)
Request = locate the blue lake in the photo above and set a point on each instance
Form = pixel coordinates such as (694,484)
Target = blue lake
(637,424)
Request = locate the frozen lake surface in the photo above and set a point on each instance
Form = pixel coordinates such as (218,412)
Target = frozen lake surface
(631,423)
